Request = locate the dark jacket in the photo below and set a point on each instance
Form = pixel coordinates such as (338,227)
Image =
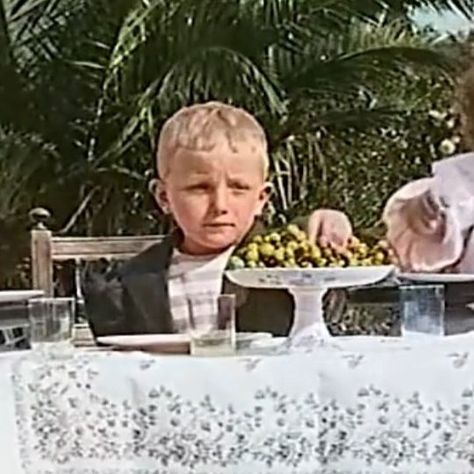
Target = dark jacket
(133,299)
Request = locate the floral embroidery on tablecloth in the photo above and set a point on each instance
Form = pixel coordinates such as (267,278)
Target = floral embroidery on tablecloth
(63,417)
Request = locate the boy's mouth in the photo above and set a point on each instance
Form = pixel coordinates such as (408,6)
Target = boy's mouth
(217,225)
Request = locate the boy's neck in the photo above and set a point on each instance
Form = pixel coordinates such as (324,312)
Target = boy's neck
(188,248)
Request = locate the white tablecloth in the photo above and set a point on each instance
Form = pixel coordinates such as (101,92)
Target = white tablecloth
(362,407)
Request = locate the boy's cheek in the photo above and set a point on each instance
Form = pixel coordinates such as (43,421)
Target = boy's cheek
(190,208)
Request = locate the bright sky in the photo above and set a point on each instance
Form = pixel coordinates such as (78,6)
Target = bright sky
(447,22)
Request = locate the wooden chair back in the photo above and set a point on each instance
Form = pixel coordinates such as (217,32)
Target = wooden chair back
(47,248)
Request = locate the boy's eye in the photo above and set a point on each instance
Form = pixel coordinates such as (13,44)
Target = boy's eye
(198,187)
(239,186)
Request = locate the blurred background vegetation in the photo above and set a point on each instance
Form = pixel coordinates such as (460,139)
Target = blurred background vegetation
(356,98)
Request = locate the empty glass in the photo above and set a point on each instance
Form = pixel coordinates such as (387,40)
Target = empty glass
(51,323)
(212,325)
(422,310)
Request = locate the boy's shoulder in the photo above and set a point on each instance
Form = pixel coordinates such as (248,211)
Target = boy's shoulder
(153,259)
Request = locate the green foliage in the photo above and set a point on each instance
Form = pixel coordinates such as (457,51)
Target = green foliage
(357,171)
(24,162)
(342,87)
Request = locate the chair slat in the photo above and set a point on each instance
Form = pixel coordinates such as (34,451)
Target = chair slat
(91,248)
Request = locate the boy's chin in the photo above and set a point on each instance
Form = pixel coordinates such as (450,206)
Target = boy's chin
(211,242)
(216,243)
(219,244)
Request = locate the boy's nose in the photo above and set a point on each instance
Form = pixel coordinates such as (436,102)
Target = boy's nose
(220,201)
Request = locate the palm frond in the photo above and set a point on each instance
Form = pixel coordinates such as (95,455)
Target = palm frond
(465,7)
(373,8)
(21,157)
(360,54)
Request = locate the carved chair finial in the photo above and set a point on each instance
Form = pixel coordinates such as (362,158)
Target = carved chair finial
(39,216)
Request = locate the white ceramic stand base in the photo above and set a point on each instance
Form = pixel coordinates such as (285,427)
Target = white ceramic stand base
(308,286)
(308,316)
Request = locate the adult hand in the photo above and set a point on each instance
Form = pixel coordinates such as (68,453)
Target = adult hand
(416,231)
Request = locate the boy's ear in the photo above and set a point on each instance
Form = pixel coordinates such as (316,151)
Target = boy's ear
(265,194)
(268,188)
(157,188)
(152,186)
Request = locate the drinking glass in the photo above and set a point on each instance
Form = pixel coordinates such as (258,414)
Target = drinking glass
(422,310)
(213,334)
(51,324)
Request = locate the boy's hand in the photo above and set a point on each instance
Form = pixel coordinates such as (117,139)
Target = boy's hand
(329,227)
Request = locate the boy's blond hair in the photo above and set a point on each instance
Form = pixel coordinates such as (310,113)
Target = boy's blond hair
(202,127)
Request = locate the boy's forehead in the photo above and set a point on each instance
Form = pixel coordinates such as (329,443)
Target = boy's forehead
(244,160)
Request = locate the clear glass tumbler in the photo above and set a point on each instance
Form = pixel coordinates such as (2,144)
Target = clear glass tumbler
(213,334)
(51,324)
(422,310)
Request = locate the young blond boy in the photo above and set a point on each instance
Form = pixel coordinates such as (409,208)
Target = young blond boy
(212,163)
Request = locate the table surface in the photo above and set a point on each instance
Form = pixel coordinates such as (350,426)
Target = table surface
(353,405)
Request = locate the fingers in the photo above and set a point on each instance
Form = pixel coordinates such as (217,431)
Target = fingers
(401,248)
(404,258)
(413,254)
(424,215)
(335,236)
(334,241)
(430,206)
(329,228)
(323,241)
(433,228)
(314,228)
(431,212)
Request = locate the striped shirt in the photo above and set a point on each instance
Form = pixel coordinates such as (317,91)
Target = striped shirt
(194,284)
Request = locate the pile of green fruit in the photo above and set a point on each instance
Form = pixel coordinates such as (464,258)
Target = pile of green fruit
(291,248)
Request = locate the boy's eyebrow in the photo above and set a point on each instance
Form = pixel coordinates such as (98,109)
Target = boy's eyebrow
(198,174)
(191,181)
(238,180)
(193,174)
(195,177)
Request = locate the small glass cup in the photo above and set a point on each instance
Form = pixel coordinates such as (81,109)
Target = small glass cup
(51,324)
(213,335)
(422,310)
